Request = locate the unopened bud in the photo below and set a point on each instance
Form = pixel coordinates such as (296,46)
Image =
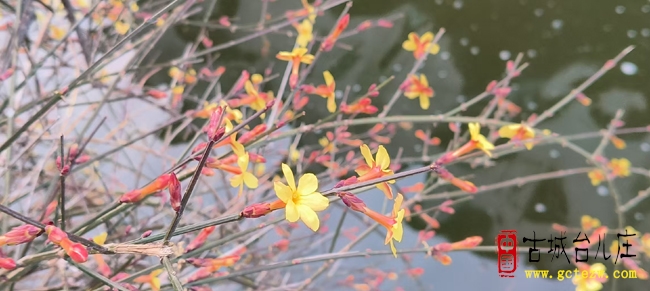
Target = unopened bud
(256,210)
(77,252)
(55,234)
(214,129)
(175,192)
(353,202)
(20,234)
(146,233)
(7,263)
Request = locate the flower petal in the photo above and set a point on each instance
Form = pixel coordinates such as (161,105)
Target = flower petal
(331,104)
(307,184)
(284,56)
(307,59)
(329,79)
(474,129)
(236,180)
(250,180)
(411,94)
(291,211)
(383,159)
(426,38)
(367,155)
(508,131)
(283,192)
(392,248)
(315,201)
(288,175)
(424,101)
(435,49)
(309,217)
(423,80)
(242,162)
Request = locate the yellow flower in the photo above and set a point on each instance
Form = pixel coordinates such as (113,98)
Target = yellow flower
(151,279)
(376,168)
(481,142)
(121,27)
(328,91)
(419,88)
(301,201)
(305,34)
(591,283)
(620,167)
(392,223)
(396,231)
(518,132)
(296,57)
(596,176)
(420,45)
(588,223)
(242,161)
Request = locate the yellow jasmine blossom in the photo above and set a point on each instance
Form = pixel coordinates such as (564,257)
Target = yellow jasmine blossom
(302,201)
(419,88)
(481,142)
(420,45)
(620,167)
(518,132)
(242,161)
(376,168)
(305,34)
(392,223)
(596,176)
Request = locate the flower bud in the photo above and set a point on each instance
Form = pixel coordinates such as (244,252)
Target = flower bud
(353,202)
(55,234)
(20,234)
(256,210)
(214,129)
(7,263)
(77,252)
(175,192)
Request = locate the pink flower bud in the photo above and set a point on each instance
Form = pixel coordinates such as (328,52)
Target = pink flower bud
(491,86)
(82,159)
(510,66)
(146,233)
(385,23)
(214,129)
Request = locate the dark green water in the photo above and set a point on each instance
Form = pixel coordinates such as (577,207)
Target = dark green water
(564,42)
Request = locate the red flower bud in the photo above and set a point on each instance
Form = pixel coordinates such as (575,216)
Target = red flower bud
(77,252)
(55,234)
(256,210)
(200,238)
(20,234)
(214,129)
(7,263)
(175,192)
(353,202)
